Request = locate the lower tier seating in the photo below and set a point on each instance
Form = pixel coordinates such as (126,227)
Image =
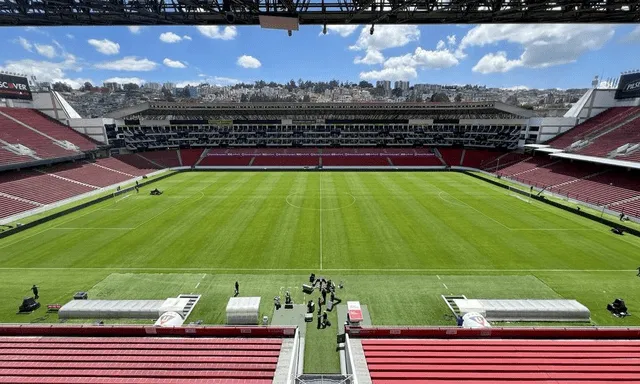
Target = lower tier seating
(39,187)
(501,361)
(10,206)
(165,159)
(603,189)
(190,156)
(49,359)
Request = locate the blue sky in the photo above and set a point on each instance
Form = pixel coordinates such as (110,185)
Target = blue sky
(534,56)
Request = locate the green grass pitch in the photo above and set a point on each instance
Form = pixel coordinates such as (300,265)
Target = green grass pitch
(398,240)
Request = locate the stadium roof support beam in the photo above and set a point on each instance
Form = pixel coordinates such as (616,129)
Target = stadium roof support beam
(217,12)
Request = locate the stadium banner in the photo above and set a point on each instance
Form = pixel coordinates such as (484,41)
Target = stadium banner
(14,87)
(220,123)
(629,86)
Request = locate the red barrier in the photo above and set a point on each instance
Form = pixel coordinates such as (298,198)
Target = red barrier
(139,330)
(500,333)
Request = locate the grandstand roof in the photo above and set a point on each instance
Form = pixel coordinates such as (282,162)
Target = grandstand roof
(363,110)
(599,160)
(128,12)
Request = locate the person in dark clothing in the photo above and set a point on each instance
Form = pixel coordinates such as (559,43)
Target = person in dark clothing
(622,216)
(136,183)
(35,291)
(319,320)
(638,272)
(237,289)
(324,319)
(319,306)
(324,295)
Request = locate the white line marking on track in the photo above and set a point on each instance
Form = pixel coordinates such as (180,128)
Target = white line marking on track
(197,285)
(307,269)
(126,196)
(445,285)
(438,276)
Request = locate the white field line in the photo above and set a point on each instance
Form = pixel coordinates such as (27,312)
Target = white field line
(445,286)
(320,220)
(468,206)
(438,276)
(307,269)
(101,228)
(122,198)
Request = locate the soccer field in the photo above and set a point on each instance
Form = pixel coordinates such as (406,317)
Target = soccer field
(398,240)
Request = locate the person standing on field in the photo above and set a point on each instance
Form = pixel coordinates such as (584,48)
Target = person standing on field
(35,291)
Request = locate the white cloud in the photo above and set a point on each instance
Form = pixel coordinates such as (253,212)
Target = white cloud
(441,45)
(386,36)
(129,63)
(496,62)
(47,70)
(372,57)
(423,58)
(170,38)
(135,29)
(216,80)
(25,44)
(543,45)
(47,51)
(173,63)
(392,73)
(187,37)
(634,36)
(451,40)
(125,80)
(70,36)
(105,46)
(342,30)
(215,32)
(516,88)
(246,61)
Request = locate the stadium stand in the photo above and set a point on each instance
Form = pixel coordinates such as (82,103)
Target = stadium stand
(88,173)
(593,126)
(7,157)
(190,156)
(228,157)
(478,158)
(604,188)
(451,156)
(610,141)
(499,356)
(44,147)
(40,187)
(218,355)
(13,206)
(526,165)
(556,173)
(136,163)
(50,127)
(164,159)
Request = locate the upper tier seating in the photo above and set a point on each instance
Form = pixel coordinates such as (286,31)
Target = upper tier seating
(14,133)
(503,161)
(50,127)
(501,361)
(628,133)
(593,126)
(7,157)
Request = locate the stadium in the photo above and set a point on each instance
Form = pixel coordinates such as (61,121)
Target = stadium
(173,242)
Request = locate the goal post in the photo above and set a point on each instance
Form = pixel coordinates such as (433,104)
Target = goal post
(520,194)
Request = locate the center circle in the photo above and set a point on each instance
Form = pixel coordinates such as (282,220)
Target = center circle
(296,200)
